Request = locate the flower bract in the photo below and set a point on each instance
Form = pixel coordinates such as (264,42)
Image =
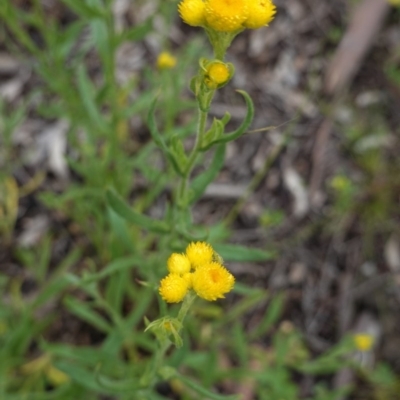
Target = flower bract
(199,253)
(173,288)
(212,281)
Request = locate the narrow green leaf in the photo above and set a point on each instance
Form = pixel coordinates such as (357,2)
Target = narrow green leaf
(159,140)
(136,33)
(84,10)
(114,386)
(101,38)
(50,291)
(120,229)
(203,391)
(87,93)
(228,137)
(83,311)
(81,376)
(246,304)
(124,211)
(233,252)
(200,183)
(272,315)
(82,355)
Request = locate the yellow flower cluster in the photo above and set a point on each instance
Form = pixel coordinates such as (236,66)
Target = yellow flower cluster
(227,15)
(197,269)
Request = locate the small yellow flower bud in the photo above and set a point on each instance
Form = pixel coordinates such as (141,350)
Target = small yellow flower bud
(226,15)
(192,12)
(217,74)
(212,281)
(199,253)
(173,288)
(363,341)
(261,13)
(166,60)
(178,264)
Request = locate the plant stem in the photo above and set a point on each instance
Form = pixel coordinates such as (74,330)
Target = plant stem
(201,127)
(187,302)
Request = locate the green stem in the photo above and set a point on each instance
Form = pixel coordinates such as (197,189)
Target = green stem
(149,378)
(187,303)
(201,128)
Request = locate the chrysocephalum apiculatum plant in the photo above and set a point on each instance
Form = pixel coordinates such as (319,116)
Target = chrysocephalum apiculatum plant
(199,272)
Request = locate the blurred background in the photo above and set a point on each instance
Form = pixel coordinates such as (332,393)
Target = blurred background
(315,186)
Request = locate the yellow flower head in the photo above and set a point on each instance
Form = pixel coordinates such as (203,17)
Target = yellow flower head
(217,74)
(192,12)
(363,341)
(226,15)
(166,60)
(212,281)
(199,253)
(173,288)
(178,264)
(188,278)
(261,13)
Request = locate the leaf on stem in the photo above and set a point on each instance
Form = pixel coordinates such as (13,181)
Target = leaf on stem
(84,10)
(233,252)
(159,140)
(126,212)
(228,137)
(200,183)
(114,386)
(88,94)
(136,33)
(203,391)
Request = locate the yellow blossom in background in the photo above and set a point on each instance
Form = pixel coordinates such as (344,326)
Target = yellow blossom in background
(199,253)
(261,13)
(363,341)
(192,12)
(178,264)
(56,377)
(394,2)
(173,288)
(217,74)
(212,281)
(166,60)
(226,15)
(340,183)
